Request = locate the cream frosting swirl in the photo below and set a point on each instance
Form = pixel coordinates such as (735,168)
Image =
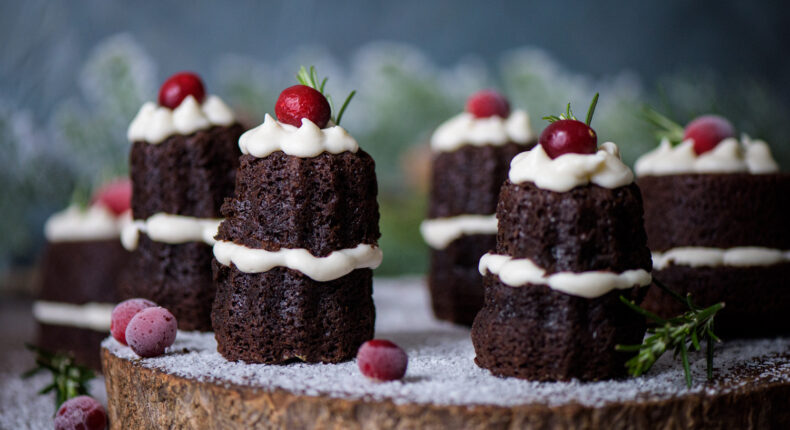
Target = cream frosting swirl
(306,141)
(154,123)
(333,266)
(603,168)
(439,232)
(698,256)
(729,156)
(517,272)
(172,229)
(94,316)
(77,224)
(466,129)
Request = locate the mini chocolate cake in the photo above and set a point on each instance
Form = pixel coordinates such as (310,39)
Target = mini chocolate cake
(465,179)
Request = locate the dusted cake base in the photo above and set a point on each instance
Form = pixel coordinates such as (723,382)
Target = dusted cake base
(455,282)
(177,277)
(757,298)
(536,333)
(282,315)
(192,386)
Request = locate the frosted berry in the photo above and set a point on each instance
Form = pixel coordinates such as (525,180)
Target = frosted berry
(123,313)
(301,101)
(151,331)
(707,131)
(382,360)
(177,87)
(115,196)
(487,103)
(568,136)
(81,413)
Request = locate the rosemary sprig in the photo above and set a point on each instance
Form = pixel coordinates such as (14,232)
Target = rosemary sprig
(569,113)
(81,195)
(69,379)
(665,127)
(310,79)
(682,334)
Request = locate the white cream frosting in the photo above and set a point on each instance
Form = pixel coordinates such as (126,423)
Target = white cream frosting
(335,265)
(306,141)
(94,316)
(439,232)
(729,156)
(604,168)
(173,229)
(697,256)
(466,129)
(77,224)
(517,272)
(154,123)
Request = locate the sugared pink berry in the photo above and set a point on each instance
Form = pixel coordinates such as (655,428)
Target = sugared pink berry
(568,136)
(151,331)
(301,101)
(123,313)
(707,131)
(487,103)
(177,87)
(382,360)
(115,196)
(81,413)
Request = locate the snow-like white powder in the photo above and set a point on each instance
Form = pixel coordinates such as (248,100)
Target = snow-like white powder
(442,370)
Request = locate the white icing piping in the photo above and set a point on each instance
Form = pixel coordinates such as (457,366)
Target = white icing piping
(77,224)
(305,141)
(568,171)
(516,272)
(697,256)
(154,123)
(465,129)
(173,229)
(333,266)
(439,232)
(93,316)
(729,156)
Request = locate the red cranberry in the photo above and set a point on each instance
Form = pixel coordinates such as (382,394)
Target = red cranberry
(81,413)
(487,103)
(382,360)
(568,136)
(301,101)
(115,196)
(123,313)
(177,87)
(707,131)
(151,331)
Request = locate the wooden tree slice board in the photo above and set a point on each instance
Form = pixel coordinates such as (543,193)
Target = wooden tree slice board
(192,386)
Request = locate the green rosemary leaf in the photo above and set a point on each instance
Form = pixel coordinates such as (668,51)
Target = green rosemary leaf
(684,355)
(345,104)
(591,109)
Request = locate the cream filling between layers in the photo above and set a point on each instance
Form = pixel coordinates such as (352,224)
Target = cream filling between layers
(154,123)
(517,272)
(306,141)
(604,168)
(94,316)
(440,232)
(465,129)
(172,229)
(333,266)
(77,224)
(698,256)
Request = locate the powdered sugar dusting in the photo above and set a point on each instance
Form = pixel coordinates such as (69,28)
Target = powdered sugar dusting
(442,370)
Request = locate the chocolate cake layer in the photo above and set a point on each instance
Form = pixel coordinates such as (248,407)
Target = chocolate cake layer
(455,283)
(185,175)
(467,180)
(536,333)
(586,228)
(177,277)
(717,210)
(281,315)
(323,204)
(84,344)
(757,298)
(83,271)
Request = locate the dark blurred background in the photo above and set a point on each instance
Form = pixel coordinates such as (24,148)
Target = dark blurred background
(73,74)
